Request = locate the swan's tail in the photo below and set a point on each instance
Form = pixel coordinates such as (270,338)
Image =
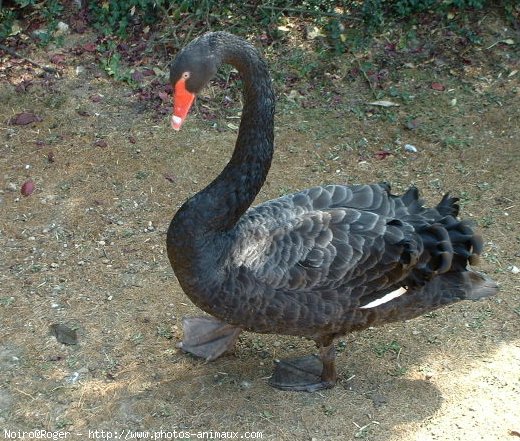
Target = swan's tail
(441,242)
(440,251)
(442,290)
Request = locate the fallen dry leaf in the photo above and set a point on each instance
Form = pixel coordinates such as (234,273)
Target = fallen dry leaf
(23,86)
(57,58)
(164,97)
(28,187)
(96,98)
(100,143)
(90,47)
(137,76)
(169,177)
(148,72)
(384,103)
(24,118)
(382,154)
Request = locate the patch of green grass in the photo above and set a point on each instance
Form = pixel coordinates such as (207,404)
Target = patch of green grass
(433,339)
(403,95)
(341,346)
(137,338)
(282,191)
(478,321)
(164,411)
(72,362)
(142,174)
(486,221)
(453,141)
(6,301)
(65,185)
(363,432)
(399,371)
(164,331)
(484,186)
(492,258)
(381,349)
(328,409)
(62,424)
(55,101)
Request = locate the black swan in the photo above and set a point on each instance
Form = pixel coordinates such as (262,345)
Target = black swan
(318,263)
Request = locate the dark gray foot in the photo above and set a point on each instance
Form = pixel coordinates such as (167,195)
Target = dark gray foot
(305,374)
(207,337)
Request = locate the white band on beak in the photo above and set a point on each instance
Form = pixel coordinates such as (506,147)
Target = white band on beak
(176,122)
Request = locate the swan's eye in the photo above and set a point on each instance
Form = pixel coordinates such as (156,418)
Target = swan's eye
(185,75)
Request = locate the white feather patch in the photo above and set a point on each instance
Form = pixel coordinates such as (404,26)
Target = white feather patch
(386,298)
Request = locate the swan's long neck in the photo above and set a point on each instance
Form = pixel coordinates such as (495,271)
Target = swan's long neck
(234,190)
(201,228)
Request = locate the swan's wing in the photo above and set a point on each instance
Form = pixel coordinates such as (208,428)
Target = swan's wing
(324,238)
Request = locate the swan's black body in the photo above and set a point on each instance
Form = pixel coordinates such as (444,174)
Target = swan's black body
(311,263)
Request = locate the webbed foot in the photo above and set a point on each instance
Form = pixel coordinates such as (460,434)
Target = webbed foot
(306,374)
(299,374)
(208,337)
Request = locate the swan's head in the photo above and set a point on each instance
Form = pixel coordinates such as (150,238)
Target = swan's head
(191,70)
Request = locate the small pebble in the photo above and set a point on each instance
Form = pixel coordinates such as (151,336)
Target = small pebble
(515,269)
(64,334)
(410,148)
(61,29)
(73,378)
(245,384)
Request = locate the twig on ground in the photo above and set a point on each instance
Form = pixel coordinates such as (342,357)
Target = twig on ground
(305,12)
(34,63)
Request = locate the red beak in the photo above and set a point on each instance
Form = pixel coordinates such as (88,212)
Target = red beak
(182,101)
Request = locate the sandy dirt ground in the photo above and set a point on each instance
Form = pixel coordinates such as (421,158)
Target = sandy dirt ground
(86,251)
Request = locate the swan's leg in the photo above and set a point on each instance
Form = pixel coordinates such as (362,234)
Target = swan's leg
(307,374)
(207,337)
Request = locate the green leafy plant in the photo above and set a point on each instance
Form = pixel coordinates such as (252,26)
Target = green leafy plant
(49,11)
(114,17)
(382,348)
